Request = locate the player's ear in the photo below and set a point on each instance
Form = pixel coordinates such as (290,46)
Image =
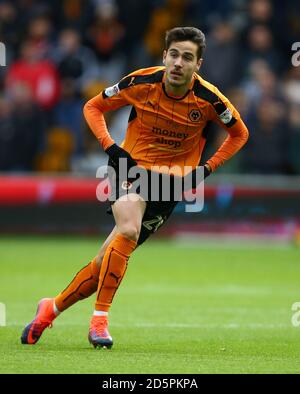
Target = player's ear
(164,56)
(199,63)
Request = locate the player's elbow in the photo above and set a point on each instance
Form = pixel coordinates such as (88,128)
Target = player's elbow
(241,133)
(87,109)
(90,108)
(245,134)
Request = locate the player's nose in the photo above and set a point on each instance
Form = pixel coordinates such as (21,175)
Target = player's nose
(178,62)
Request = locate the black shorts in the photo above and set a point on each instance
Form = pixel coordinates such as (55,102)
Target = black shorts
(155,186)
(156,214)
(157,211)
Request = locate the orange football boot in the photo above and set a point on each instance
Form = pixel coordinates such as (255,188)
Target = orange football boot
(44,317)
(98,333)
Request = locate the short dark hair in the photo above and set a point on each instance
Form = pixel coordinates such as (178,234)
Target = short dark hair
(186,34)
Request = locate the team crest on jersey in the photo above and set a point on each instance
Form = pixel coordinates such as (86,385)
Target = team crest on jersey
(112,90)
(195,115)
(126,185)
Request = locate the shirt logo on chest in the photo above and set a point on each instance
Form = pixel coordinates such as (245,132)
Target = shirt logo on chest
(195,115)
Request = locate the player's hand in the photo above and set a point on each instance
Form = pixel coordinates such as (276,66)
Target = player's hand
(207,170)
(195,181)
(116,153)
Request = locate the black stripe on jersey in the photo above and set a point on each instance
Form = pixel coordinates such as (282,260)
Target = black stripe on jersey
(132,114)
(139,79)
(151,78)
(204,93)
(125,82)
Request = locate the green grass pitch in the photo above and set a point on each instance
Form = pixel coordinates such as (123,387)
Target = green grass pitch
(180,309)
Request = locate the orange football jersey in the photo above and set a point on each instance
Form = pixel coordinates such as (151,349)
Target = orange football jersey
(164,130)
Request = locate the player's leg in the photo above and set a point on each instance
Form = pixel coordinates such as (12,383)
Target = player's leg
(83,285)
(128,215)
(85,282)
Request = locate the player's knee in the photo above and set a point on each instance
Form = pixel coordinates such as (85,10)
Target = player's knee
(130,231)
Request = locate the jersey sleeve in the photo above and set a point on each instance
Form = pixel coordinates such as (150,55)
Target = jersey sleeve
(109,99)
(226,115)
(126,92)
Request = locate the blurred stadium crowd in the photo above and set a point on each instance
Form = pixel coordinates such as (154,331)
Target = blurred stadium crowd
(60,53)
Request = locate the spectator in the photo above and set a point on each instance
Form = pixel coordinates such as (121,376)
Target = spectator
(221,63)
(261,83)
(74,14)
(207,13)
(22,127)
(75,61)
(134,22)
(105,37)
(271,15)
(40,34)
(260,45)
(267,149)
(68,114)
(40,75)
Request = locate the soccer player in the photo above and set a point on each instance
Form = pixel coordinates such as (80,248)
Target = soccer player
(170,107)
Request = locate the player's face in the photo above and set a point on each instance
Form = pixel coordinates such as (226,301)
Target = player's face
(181,62)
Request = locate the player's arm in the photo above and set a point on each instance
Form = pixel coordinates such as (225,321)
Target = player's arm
(110,99)
(226,115)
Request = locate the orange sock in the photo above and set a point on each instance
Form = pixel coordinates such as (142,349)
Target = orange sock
(112,271)
(83,285)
